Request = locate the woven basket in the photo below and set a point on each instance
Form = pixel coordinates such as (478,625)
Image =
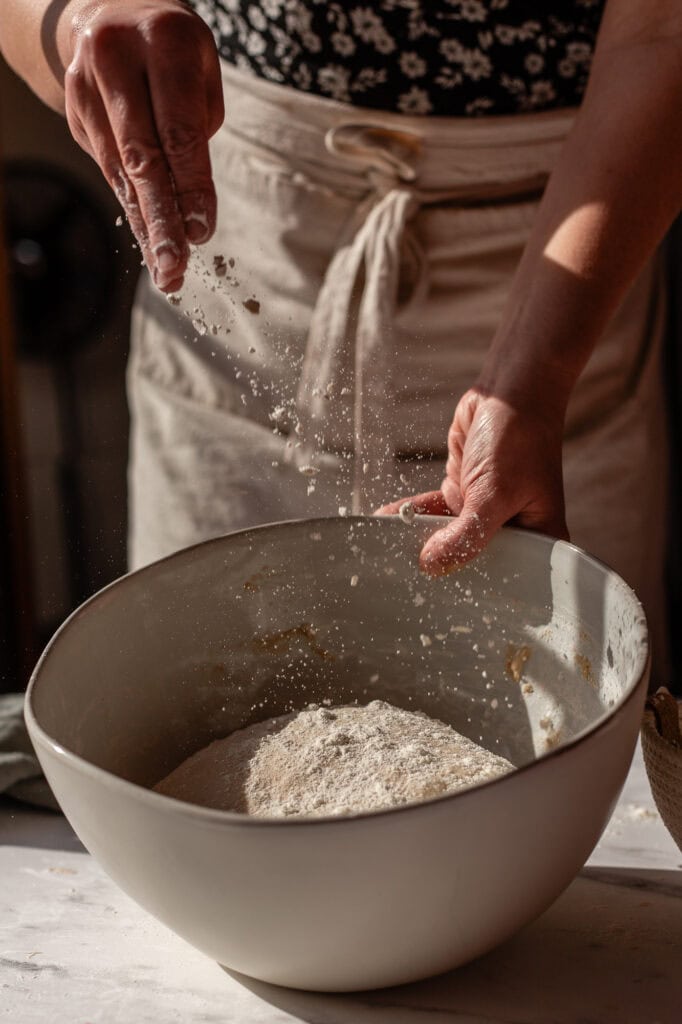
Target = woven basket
(662,748)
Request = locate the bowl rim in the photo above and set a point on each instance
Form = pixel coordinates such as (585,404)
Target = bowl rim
(222,818)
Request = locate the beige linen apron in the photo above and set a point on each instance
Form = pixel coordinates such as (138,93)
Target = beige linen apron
(357,276)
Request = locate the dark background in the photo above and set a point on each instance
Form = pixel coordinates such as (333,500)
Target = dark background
(67,276)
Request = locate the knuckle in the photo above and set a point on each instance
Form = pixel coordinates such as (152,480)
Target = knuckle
(455,438)
(112,172)
(139,159)
(104,39)
(122,188)
(180,140)
(76,87)
(160,28)
(451,494)
(77,109)
(174,27)
(452,465)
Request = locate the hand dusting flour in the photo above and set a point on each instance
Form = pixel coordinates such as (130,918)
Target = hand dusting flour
(332,761)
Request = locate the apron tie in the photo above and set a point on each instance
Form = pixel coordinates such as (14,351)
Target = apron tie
(355,332)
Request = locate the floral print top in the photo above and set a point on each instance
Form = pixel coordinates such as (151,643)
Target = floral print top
(436,57)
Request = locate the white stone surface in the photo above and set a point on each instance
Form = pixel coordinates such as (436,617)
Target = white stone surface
(75,950)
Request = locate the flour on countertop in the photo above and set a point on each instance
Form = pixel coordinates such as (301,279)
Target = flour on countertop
(332,761)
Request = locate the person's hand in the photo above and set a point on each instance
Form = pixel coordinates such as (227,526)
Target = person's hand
(143,96)
(504,466)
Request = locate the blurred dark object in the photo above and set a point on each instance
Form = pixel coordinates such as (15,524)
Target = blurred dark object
(61,260)
(17,623)
(73,275)
(71,284)
(61,247)
(673,379)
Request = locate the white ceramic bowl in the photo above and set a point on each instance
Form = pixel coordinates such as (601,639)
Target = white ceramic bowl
(165,660)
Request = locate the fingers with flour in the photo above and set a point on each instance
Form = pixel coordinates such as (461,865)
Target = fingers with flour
(143,96)
(430,503)
(187,112)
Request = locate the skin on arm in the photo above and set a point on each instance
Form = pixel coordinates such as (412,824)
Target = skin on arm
(615,190)
(139,84)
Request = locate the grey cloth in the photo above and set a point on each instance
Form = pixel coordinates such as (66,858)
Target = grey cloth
(21,776)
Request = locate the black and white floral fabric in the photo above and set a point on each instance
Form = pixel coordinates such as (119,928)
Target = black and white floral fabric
(437,57)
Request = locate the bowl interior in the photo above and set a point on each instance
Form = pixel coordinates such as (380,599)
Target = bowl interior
(523,650)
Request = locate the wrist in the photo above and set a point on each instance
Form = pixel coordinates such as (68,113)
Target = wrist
(526,382)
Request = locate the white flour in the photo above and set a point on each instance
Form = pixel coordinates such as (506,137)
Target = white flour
(332,761)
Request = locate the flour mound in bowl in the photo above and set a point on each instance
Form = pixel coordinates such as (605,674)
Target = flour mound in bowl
(332,761)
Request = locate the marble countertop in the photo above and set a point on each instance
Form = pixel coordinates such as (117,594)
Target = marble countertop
(75,950)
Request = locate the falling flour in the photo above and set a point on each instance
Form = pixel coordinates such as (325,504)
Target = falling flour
(332,761)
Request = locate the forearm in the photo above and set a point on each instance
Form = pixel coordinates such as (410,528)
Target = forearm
(35,37)
(613,194)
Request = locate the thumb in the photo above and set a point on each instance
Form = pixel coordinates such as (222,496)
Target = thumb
(461,540)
